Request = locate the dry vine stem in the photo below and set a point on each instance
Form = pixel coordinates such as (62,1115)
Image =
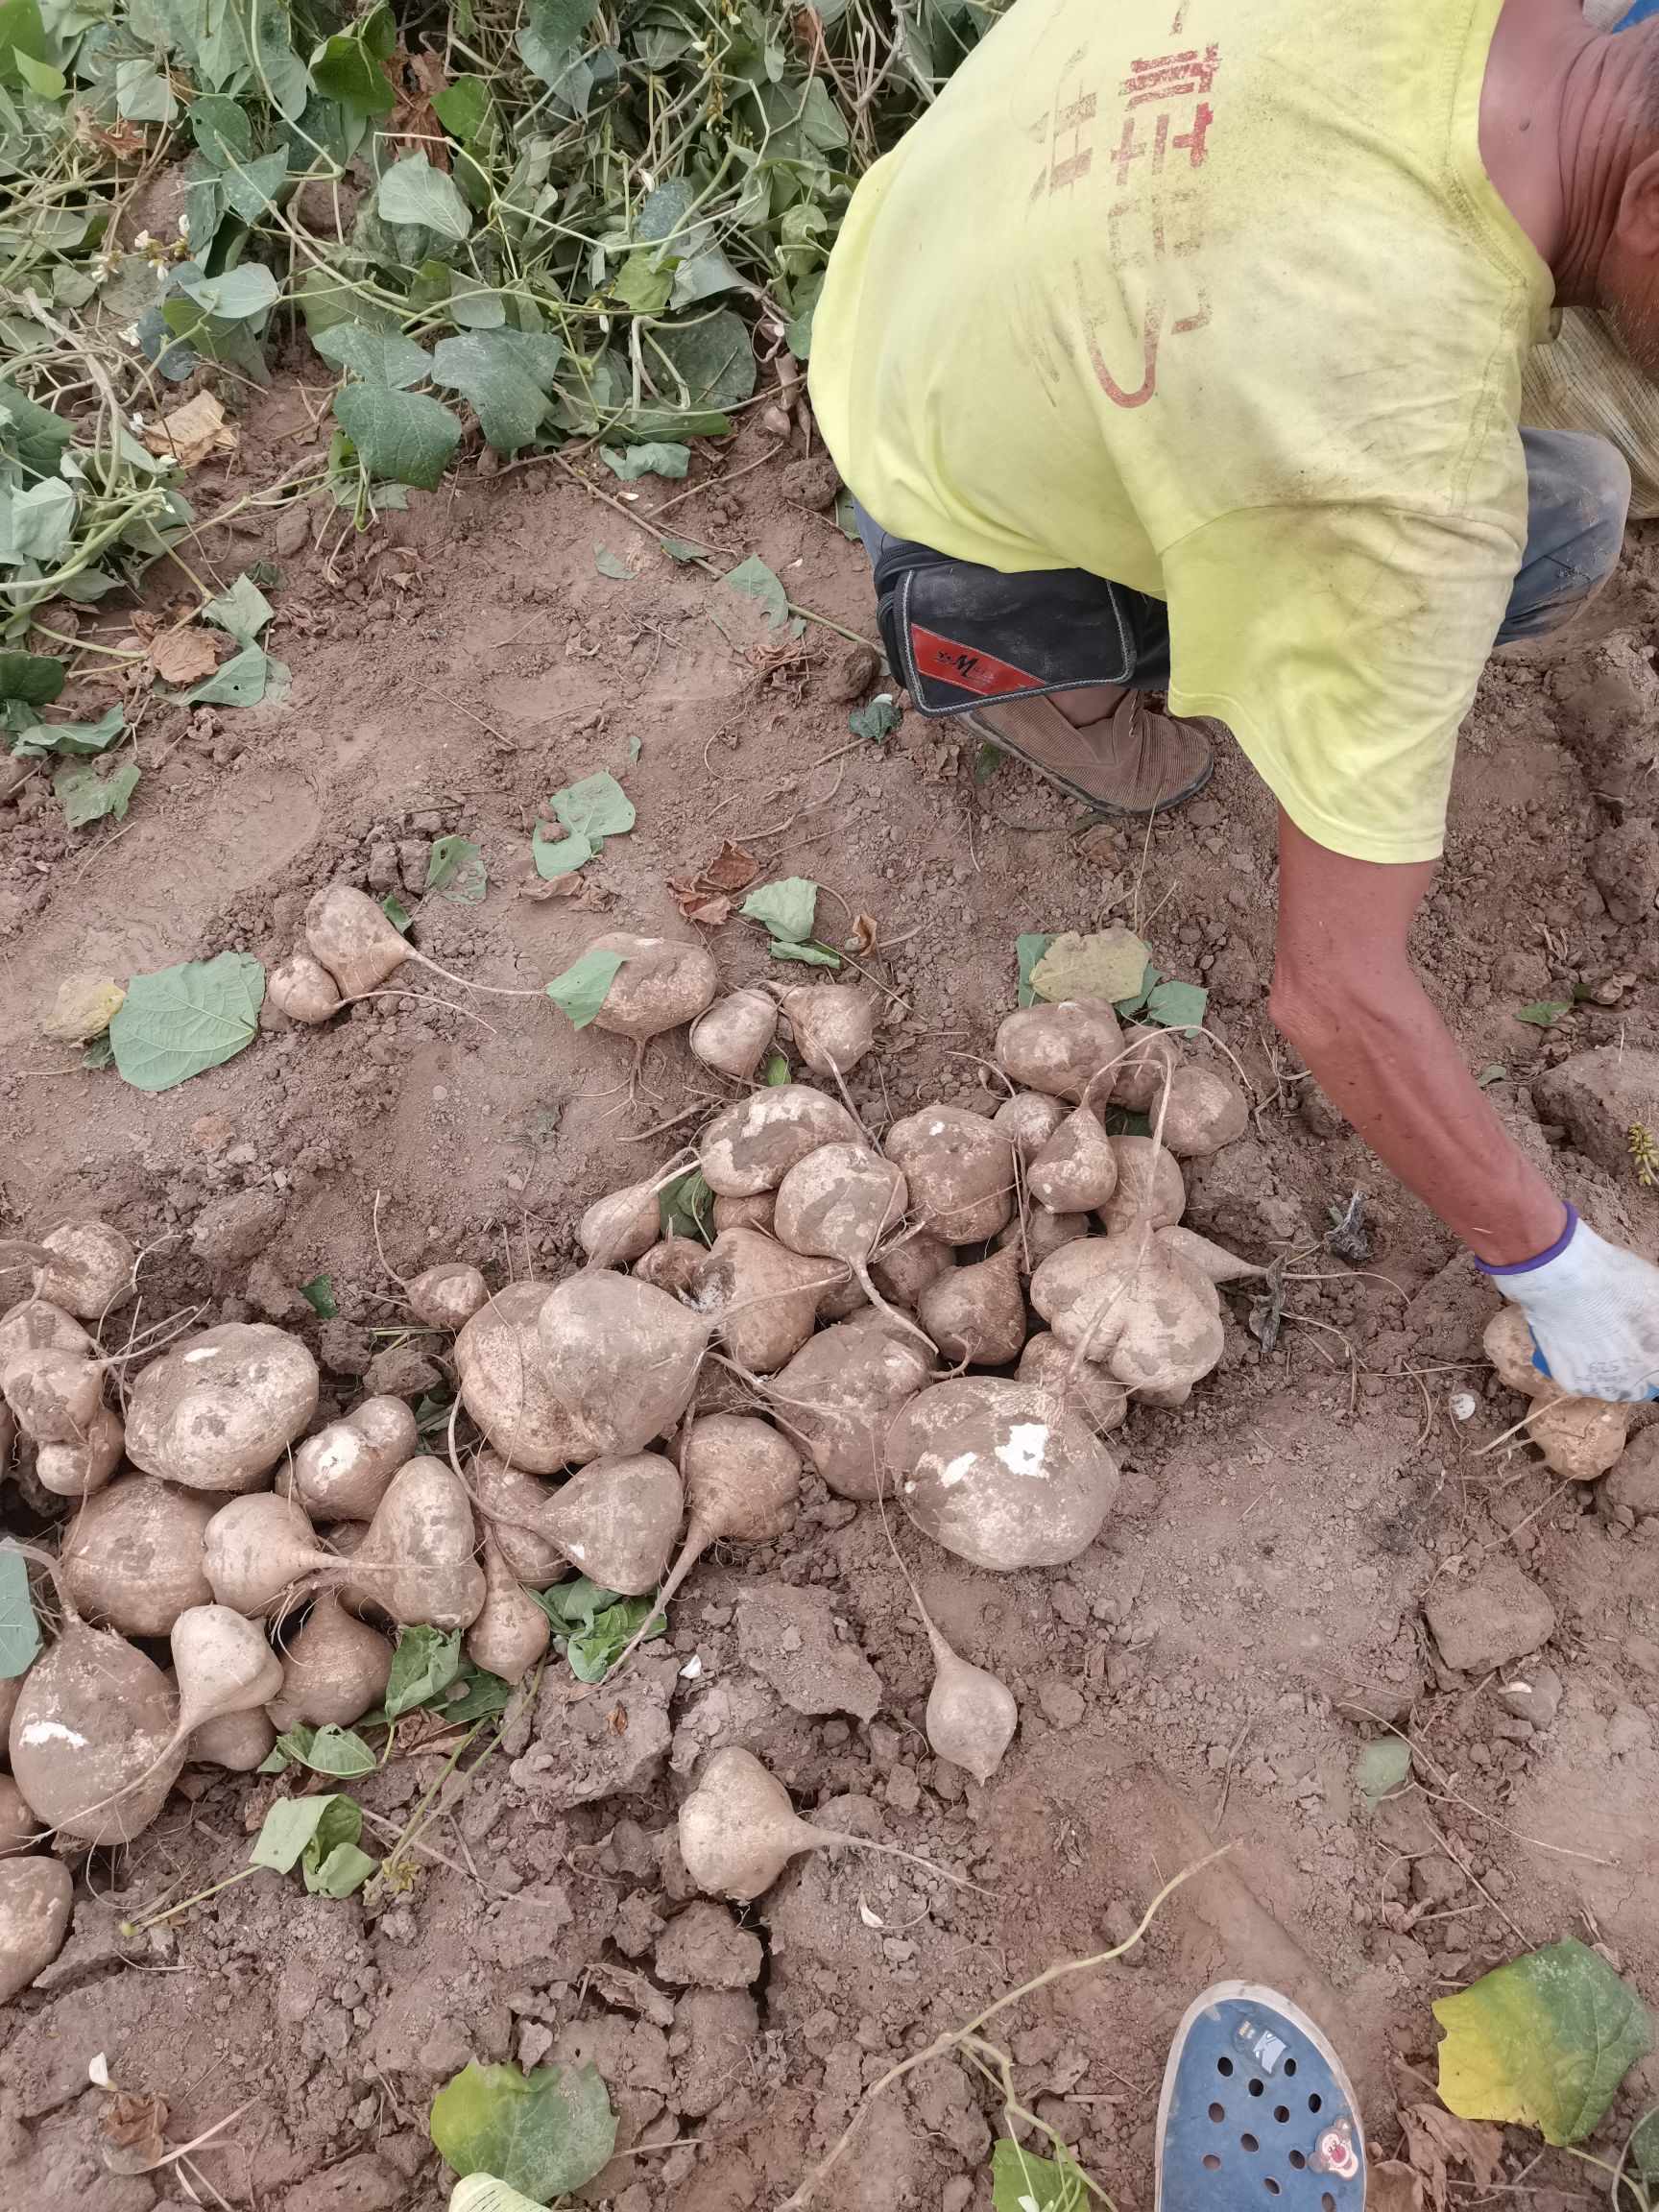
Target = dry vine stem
(942,2045)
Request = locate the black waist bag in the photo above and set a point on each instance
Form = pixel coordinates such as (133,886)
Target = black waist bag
(959,636)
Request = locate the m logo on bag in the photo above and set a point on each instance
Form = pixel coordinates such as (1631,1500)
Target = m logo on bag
(966,666)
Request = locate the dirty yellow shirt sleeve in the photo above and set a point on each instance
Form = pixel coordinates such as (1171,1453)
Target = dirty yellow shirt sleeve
(1214,298)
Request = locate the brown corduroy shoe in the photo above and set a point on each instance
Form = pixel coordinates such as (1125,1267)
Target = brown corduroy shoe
(1131,762)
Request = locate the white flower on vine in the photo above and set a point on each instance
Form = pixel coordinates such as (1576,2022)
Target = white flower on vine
(105,262)
(136,421)
(130,336)
(185,229)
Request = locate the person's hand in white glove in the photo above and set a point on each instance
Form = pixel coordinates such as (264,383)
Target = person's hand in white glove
(1593,1313)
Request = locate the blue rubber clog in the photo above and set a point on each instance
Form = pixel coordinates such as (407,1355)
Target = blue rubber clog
(1256,2113)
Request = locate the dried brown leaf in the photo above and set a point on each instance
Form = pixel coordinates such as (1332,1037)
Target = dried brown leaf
(183,656)
(1393,2186)
(865,933)
(190,433)
(414,121)
(732,869)
(133,2138)
(1435,2138)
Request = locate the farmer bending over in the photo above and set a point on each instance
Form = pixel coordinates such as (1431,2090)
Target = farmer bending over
(1178,349)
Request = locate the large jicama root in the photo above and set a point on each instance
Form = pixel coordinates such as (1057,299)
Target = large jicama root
(447,1296)
(37,1325)
(743,1484)
(755,1213)
(1150,1187)
(751,1147)
(976,1315)
(905,1268)
(1062,1050)
(764,1297)
(360,948)
(513,1503)
(1041,1232)
(512,1631)
(502,1378)
(840,1393)
(217,1411)
(418,1554)
(303,989)
(837,1204)
(343,1472)
(1150,1056)
(36,1895)
(262,1555)
(334,1670)
(738,1830)
(223,1665)
(735,1034)
(618,1520)
(1086,1391)
(90,1733)
(1579,1437)
(1000,1474)
(135,1559)
(240,1743)
(675,1266)
(90,1270)
(1028,1120)
(1077,1169)
(54,1394)
(834,1024)
(658,986)
(620,1356)
(19,1830)
(79,1469)
(622,1226)
(1205,1111)
(1135,1306)
(959,1168)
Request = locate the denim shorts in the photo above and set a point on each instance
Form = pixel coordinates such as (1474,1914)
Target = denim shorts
(960,635)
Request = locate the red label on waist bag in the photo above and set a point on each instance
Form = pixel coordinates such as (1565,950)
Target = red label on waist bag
(966,666)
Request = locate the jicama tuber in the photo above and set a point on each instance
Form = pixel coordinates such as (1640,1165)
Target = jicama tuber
(1063,1050)
(418,1556)
(89,1737)
(503,1382)
(1150,1187)
(342,1472)
(83,1467)
(735,1035)
(303,989)
(91,1269)
(240,1743)
(658,986)
(622,1226)
(19,1830)
(902,1269)
(742,1483)
(834,1024)
(36,1895)
(447,1296)
(755,1213)
(334,1669)
(1149,1055)
(620,1356)
(1147,1316)
(618,1520)
(54,1394)
(1579,1437)
(959,1168)
(1205,1111)
(1083,1388)
(221,1663)
(263,1554)
(1077,1169)
(511,1503)
(37,1325)
(840,1393)
(751,1147)
(135,1555)
(1028,1120)
(999,1472)
(360,948)
(763,1298)
(1214,1261)
(837,1204)
(512,1631)
(1041,1232)
(738,1830)
(674,1265)
(218,1409)
(971,1714)
(976,1314)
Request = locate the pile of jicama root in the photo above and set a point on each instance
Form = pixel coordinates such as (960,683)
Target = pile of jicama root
(863,1310)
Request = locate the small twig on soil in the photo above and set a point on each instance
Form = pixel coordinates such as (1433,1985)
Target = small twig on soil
(714,483)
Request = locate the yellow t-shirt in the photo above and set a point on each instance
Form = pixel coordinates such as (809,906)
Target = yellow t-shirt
(1215,298)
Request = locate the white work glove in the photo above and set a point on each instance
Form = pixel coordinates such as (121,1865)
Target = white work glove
(1593,1313)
